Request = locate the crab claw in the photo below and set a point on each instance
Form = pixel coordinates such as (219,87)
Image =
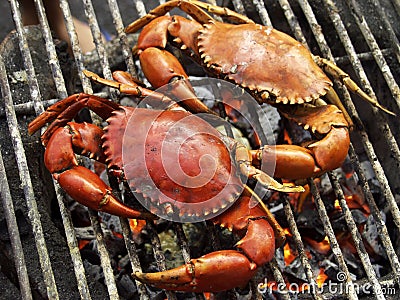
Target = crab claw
(214,272)
(244,159)
(225,269)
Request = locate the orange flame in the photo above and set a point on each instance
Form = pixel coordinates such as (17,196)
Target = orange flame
(287,232)
(337,205)
(136,227)
(356,202)
(288,254)
(322,277)
(322,247)
(286,137)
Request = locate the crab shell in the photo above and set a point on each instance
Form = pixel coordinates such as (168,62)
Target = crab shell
(263,60)
(172,157)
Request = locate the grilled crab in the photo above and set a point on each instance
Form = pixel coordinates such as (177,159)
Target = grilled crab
(137,146)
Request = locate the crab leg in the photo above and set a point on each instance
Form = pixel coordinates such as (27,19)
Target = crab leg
(221,11)
(161,68)
(80,183)
(187,6)
(65,110)
(339,74)
(225,269)
(126,84)
(328,153)
(244,159)
(334,99)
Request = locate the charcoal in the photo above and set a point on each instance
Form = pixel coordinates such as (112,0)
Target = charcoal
(358,216)
(310,225)
(370,234)
(126,287)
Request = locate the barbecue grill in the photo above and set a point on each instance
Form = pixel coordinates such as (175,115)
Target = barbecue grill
(40,250)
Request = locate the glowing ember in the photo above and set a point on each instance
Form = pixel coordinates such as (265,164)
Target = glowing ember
(82,244)
(356,202)
(287,232)
(289,254)
(321,278)
(337,204)
(321,247)
(118,234)
(286,137)
(136,228)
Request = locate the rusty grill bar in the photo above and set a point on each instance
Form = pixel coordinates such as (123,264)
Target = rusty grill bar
(300,17)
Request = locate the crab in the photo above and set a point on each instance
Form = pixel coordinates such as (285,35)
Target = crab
(137,145)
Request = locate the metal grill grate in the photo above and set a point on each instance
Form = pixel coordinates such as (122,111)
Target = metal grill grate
(363,44)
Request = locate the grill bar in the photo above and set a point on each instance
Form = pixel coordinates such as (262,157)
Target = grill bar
(119,26)
(366,56)
(73,246)
(376,52)
(67,222)
(300,247)
(357,236)
(28,107)
(34,214)
(396,4)
(393,38)
(238,5)
(384,128)
(97,38)
(129,243)
(51,51)
(382,229)
(293,22)
(262,12)
(336,248)
(133,257)
(140,8)
(76,49)
(159,254)
(23,44)
(8,206)
(279,278)
(104,257)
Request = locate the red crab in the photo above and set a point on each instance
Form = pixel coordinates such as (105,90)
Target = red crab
(132,146)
